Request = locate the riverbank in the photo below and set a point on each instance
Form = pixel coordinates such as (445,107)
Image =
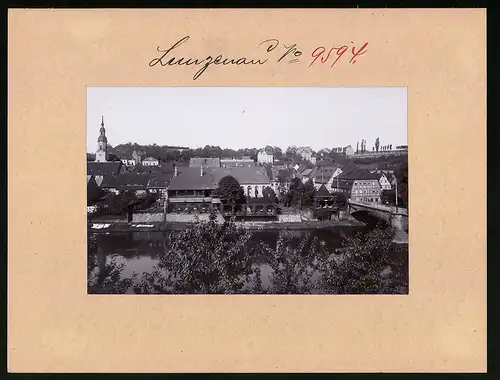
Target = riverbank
(107,226)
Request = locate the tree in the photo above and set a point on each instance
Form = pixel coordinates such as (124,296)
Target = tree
(292,267)
(206,258)
(308,193)
(123,203)
(229,191)
(277,152)
(377,143)
(291,151)
(339,200)
(363,266)
(388,197)
(269,194)
(401,174)
(282,183)
(295,192)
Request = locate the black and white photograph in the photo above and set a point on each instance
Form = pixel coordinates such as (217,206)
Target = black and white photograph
(247,190)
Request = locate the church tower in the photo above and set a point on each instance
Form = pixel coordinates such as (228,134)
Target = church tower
(101,155)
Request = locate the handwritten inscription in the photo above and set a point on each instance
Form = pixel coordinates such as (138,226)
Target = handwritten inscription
(274,49)
(338,52)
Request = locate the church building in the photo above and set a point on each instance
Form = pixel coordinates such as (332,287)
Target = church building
(101,155)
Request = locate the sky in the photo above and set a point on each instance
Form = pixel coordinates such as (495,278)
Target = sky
(248,117)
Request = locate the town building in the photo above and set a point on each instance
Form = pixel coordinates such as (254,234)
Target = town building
(101,170)
(349,150)
(307,154)
(150,161)
(237,162)
(94,193)
(340,185)
(137,157)
(313,159)
(307,174)
(158,184)
(385,184)
(265,157)
(323,206)
(325,176)
(191,188)
(128,161)
(281,177)
(364,186)
(207,162)
(129,181)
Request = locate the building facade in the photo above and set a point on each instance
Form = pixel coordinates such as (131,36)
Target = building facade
(264,157)
(236,162)
(385,184)
(364,186)
(349,151)
(150,161)
(307,154)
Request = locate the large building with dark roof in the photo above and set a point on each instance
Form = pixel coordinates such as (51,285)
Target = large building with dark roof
(191,187)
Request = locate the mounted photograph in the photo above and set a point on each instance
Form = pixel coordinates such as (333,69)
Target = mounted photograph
(247,190)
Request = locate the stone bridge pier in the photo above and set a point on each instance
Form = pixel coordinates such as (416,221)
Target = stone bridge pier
(397,218)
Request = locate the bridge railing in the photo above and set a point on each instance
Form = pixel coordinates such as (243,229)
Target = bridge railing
(377,206)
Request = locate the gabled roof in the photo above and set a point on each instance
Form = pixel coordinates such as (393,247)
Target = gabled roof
(159,181)
(322,192)
(360,175)
(190,178)
(342,184)
(285,173)
(324,174)
(245,176)
(306,172)
(150,159)
(104,168)
(127,181)
(208,162)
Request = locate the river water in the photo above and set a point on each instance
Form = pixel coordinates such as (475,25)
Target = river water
(139,251)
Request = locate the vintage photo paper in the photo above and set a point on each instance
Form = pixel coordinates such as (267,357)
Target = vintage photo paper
(247,190)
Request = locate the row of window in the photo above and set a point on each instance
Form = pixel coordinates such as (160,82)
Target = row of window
(375,200)
(365,191)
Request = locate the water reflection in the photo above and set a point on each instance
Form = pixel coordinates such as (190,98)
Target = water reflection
(139,251)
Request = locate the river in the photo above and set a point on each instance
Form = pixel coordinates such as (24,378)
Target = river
(139,251)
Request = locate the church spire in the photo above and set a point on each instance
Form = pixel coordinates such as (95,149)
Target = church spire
(102,144)
(102,136)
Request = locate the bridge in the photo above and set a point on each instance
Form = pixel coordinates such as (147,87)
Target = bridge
(397,217)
